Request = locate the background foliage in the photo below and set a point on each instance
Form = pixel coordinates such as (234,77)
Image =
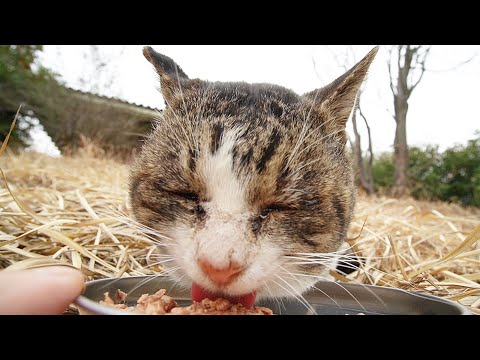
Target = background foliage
(452,175)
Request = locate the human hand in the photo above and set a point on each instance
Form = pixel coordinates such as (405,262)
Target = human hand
(40,291)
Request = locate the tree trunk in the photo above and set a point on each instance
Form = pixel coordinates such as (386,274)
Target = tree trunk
(357,153)
(369,164)
(400,187)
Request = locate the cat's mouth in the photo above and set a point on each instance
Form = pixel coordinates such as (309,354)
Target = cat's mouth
(199,293)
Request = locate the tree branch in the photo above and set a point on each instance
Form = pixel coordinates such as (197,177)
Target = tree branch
(392,87)
(422,69)
(456,66)
(370,150)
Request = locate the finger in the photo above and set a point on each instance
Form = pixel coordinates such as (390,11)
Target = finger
(46,290)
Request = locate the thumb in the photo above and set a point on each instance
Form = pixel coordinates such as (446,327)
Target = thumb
(45,290)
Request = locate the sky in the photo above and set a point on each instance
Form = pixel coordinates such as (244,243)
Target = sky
(442,108)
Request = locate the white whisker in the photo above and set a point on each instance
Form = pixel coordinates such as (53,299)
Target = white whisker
(323,292)
(296,294)
(277,300)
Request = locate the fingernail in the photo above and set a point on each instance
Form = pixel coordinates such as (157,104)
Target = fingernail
(57,271)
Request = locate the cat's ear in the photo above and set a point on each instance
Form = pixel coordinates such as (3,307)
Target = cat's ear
(172,77)
(336,100)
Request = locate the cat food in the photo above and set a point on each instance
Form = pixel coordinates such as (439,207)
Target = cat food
(161,304)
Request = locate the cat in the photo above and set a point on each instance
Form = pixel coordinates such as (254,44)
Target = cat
(250,186)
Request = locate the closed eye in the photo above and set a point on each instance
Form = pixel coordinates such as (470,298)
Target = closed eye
(271,208)
(186,195)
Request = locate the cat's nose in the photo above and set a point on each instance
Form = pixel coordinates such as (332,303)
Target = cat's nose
(221,276)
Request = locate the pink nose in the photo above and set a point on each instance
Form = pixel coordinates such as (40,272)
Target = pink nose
(220,276)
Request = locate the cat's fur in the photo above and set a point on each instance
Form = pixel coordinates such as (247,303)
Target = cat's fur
(247,174)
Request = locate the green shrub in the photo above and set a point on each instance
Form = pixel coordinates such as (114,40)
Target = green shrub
(383,171)
(423,172)
(453,175)
(460,172)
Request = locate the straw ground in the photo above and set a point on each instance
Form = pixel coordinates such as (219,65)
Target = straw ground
(68,209)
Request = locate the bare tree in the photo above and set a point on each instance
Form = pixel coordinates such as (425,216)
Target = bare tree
(368,169)
(99,70)
(406,67)
(363,170)
(362,175)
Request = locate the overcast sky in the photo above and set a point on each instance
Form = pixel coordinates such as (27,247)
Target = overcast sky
(443,108)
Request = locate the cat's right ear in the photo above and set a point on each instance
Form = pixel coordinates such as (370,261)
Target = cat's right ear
(337,99)
(172,77)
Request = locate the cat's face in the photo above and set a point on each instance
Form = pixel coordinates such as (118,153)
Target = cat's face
(245,181)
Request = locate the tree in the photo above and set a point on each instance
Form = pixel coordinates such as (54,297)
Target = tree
(68,116)
(452,175)
(100,67)
(106,121)
(406,67)
(363,169)
(22,81)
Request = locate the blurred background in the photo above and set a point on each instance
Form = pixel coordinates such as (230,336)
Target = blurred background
(415,130)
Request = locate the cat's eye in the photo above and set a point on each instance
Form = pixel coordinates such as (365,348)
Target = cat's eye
(264,213)
(186,195)
(271,208)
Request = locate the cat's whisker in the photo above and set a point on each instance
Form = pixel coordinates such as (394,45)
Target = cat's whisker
(124,219)
(339,257)
(176,282)
(362,268)
(158,263)
(347,291)
(152,236)
(307,306)
(362,285)
(386,282)
(155,256)
(296,294)
(143,282)
(295,278)
(169,271)
(343,273)
(350,293)
(278,301)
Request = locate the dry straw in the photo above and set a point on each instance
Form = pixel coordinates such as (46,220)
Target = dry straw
(65,210)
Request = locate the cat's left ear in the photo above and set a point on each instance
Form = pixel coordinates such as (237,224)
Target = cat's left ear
(172,77)
(337,99)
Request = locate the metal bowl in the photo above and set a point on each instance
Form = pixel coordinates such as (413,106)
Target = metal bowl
(329,298)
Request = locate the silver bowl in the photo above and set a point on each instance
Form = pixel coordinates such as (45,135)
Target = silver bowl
(328,298)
